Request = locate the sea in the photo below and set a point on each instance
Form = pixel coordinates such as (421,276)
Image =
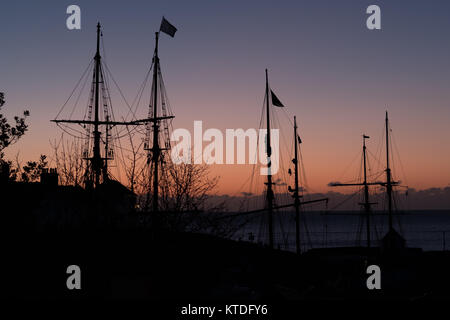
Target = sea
(427,229)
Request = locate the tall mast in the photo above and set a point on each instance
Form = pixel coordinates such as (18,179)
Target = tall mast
(98,166)
(366,204)
(107,136)
(156,151)
(296,189)
(269,164)
(389,184)
(295,192)
(388,175)
(366,192)
(97,162)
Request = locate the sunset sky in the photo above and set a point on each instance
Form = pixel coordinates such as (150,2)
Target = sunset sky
(329,70)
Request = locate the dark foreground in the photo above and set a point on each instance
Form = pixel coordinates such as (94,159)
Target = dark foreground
(192,267)
(169,271)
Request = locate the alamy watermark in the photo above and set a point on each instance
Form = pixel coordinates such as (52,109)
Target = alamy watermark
(73,22)
(241,147)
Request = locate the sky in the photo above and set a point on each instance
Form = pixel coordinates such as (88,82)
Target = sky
(329,70)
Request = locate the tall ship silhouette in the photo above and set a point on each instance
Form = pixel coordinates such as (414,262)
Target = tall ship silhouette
(101,133)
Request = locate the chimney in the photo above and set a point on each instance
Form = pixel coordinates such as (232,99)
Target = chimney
(49,177)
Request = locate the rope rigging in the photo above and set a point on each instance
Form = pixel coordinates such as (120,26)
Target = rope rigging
(99,127)
(282,182)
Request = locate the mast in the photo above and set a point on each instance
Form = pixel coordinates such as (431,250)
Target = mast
(98,165)
(366,192)
(107,135)
(97,162)
(388,176)
(296,189)
(269,164)
(295,192)
(389,184)
(366,204)
(156,151)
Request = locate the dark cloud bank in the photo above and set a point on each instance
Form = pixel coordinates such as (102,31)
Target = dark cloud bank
(428,199)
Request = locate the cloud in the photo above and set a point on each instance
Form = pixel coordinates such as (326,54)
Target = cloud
(428,199)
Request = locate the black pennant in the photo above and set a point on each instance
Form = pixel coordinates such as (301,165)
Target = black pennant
(167,27)
(275,101)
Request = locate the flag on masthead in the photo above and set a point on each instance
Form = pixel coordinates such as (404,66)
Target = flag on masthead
(167,27)
(275,101)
